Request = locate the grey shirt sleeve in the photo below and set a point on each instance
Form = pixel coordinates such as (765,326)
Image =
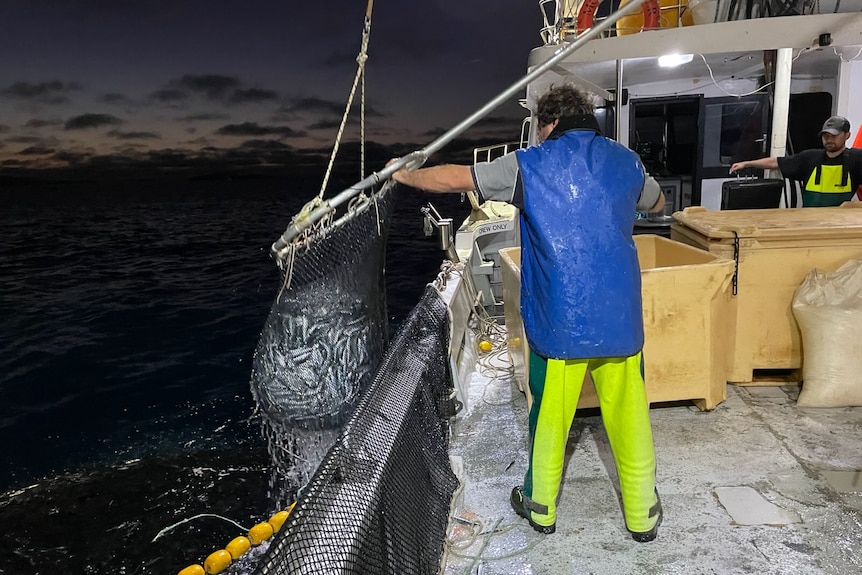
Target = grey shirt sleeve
(649,194)
(495,180)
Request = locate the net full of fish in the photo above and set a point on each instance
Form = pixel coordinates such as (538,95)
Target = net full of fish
(324,337)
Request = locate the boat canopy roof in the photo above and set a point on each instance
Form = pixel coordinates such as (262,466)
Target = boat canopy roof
(731,49)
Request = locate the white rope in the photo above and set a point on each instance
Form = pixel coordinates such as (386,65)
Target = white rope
(199,515)
(360,73)
(288,269)
(362,110)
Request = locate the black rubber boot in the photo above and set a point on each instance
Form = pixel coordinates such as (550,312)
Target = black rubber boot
(647,536)
(519,504)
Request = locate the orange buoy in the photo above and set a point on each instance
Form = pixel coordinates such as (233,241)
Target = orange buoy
(650,10)
(672,13)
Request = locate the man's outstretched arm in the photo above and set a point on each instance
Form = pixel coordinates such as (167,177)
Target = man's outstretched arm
(770,163)
(448,178)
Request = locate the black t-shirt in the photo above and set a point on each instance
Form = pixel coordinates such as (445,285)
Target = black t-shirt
(801,166)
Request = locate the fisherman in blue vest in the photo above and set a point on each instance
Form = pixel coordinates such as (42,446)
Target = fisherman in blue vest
(830,176)
(578,192)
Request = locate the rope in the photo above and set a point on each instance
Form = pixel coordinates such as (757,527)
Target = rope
(360,74)
(199,515)
(365,34)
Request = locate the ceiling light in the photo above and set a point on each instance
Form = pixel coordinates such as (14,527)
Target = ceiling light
(672,60)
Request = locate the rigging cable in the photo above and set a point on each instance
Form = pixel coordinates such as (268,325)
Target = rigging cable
(317,201)
(360,74)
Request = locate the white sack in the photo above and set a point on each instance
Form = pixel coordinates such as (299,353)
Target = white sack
(828,309)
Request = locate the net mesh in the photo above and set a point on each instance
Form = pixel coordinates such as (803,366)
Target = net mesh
(323,339)
(379,502)
(355,427)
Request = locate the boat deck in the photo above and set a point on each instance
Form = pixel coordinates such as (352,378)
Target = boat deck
(757,485)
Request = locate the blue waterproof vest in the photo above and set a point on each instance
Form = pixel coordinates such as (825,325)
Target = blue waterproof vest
(580,278)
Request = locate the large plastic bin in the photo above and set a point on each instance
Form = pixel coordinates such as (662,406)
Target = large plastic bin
(685,292)
(775,249)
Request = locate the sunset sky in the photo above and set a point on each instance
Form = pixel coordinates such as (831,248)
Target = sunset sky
(95,83)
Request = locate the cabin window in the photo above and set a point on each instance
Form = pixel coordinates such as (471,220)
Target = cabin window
(733,131)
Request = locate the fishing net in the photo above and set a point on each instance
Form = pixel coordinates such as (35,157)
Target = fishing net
(379,502)
(323,339)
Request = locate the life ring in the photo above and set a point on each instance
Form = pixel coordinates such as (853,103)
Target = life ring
(650,9)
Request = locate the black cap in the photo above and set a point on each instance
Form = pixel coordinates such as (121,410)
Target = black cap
(836,125)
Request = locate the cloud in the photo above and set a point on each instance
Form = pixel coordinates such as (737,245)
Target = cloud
(169,95)
(169,157)
(330,110)
(255,129)
(312,105)
(203,117)
(3,129)
(120,135)
(332,124)
(44,92)
(226,90)
(70,157)
(130,148)
(264,145)
(252,95)
(24,140)
(85,121)
(212,86)
(114,98)
(40,123)
(36,151)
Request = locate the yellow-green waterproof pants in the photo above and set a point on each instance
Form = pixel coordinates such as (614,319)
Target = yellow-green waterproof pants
(556,386)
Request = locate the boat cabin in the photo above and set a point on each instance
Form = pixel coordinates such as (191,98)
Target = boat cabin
(692,100)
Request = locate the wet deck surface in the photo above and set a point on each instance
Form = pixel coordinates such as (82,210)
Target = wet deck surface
(757,485)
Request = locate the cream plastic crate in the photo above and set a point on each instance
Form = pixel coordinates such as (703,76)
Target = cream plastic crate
(686,294)
(776,248)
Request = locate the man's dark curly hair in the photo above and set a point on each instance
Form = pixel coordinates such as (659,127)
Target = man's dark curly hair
(562,101)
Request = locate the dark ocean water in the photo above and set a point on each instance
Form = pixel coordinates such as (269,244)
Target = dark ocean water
(129,313)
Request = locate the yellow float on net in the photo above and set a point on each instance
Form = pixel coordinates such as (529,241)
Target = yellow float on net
(278,520)
(217,562)
(260,533)
(238,547)
(485,345)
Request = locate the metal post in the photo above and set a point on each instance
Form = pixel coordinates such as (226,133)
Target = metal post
(781,105)
(618,101)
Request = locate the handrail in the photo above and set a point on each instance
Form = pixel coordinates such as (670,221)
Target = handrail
(418,158)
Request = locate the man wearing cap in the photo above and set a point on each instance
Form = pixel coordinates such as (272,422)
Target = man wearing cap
(830,176)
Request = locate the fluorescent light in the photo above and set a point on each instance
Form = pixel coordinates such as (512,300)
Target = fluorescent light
(672,60)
